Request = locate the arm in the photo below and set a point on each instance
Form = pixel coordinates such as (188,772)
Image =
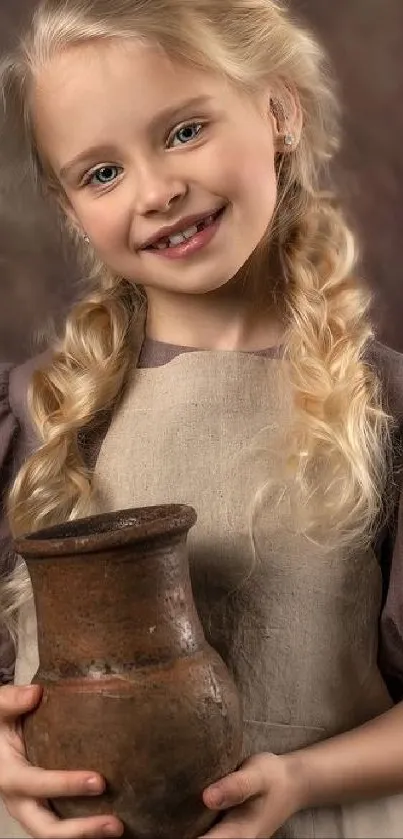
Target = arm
(368,761)
(364,763)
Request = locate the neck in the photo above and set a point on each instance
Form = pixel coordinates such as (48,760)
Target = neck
(228,319)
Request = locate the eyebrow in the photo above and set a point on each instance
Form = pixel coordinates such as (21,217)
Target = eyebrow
(163,116)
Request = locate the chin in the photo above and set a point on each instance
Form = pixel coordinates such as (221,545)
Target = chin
(188,285)
(206,287)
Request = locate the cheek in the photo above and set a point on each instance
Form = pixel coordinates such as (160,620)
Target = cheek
(100,220)
(257,195)
(260,182)
(248,175)
(258,171)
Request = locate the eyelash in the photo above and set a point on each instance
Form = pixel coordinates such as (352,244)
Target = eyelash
(88,179)
(188,125)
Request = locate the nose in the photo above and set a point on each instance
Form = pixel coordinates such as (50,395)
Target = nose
(157,190)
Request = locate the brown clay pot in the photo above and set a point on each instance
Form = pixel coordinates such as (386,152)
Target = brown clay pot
(131,688)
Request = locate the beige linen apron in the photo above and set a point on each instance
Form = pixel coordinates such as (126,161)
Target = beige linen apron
(298,627)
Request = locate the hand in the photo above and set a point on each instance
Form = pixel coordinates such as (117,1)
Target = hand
(25,788)
(259,797)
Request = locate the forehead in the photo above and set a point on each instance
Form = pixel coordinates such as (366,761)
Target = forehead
(103,83)
(92,67)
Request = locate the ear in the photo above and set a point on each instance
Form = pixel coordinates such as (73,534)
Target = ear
(286,115)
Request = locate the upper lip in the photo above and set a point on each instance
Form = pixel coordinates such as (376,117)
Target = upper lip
(179,226)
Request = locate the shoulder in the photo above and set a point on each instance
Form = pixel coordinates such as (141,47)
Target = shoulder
(14,384)
(388,364)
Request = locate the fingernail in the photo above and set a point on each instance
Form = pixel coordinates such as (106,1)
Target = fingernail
(216,798)
(28,692)
(94,784)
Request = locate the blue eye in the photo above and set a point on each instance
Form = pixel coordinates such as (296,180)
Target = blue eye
(188,132)
(104,175)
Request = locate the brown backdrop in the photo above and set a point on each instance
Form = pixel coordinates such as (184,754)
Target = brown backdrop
(365,41)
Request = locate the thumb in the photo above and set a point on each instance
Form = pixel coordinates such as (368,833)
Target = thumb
(247,782)
(15,701)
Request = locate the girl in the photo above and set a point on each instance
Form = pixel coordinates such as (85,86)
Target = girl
(222,357)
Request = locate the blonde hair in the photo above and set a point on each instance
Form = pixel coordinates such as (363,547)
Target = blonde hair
(339,424)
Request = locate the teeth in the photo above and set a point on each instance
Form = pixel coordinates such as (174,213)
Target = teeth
(179,238)
(191,232)
(176,239)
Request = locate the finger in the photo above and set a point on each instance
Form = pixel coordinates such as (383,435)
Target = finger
(15,701)
(238,787)
(41,823)
(22,779)
(235,826)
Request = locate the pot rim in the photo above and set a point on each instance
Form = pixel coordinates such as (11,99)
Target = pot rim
(158,521)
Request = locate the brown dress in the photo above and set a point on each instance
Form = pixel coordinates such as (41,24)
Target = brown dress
(298,628)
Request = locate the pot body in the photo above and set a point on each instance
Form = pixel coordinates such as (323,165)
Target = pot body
(131,688)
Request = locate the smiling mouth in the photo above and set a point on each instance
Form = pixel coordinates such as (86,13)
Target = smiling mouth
(184,236)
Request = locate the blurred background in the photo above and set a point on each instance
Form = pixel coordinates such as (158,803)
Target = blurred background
(364,39)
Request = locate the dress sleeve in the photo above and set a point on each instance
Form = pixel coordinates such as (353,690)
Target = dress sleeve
(391,627)
(9,443)
(17,441)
